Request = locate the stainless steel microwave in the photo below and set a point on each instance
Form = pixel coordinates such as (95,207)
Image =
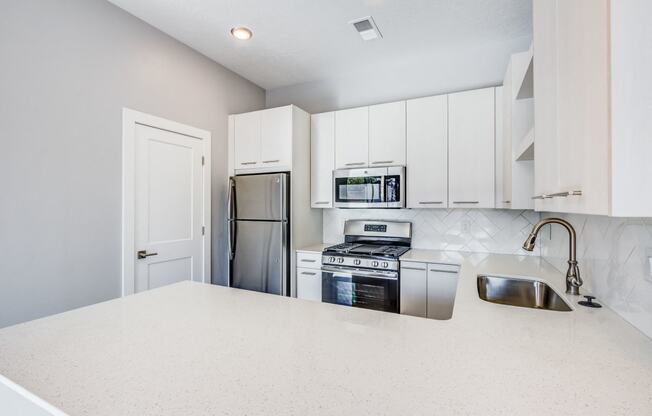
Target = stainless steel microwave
(369,188)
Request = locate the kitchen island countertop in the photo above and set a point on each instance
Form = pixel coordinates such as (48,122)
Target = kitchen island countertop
(197,349)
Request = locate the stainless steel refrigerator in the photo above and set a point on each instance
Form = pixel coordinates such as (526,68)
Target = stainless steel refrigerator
(259,233)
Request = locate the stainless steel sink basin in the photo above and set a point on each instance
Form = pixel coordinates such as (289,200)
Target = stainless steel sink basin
(520,292)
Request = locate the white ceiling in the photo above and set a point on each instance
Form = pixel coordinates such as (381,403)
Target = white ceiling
(300,41)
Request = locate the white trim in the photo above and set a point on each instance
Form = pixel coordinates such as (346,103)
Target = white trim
(131,118)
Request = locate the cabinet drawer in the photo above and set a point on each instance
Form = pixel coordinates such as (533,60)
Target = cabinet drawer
(309,260)
(309,284)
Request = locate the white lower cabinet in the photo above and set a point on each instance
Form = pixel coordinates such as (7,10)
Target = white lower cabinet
(442,287)
(428,289)
(309,284)
(413,288)
(309,275)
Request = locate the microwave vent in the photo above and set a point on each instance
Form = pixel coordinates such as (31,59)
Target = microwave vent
(367,28)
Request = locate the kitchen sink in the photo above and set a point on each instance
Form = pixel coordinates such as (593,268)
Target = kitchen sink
(522,292)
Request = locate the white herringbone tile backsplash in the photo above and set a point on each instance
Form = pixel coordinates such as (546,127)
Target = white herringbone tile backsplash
(478,230)
(613,257)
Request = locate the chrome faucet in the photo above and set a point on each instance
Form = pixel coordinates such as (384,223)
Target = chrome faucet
(573,279)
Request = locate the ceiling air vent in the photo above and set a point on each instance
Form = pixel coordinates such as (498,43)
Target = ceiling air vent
(367,28)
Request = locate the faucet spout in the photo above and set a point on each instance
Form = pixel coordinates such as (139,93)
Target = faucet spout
(573,279)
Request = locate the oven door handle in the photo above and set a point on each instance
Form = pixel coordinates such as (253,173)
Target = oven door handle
(363,273)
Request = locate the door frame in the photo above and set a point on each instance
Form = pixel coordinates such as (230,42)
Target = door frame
(130,120)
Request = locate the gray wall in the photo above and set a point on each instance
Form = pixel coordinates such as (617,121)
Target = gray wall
(464,68)
(67,69)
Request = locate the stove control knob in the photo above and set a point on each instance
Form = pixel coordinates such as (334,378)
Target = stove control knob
(385,265)
(331,259)
(357,262)
(374,263)
(340,260)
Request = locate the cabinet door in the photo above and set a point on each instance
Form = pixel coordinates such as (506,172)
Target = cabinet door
(413,289)
(583,111)
(503,144)
(276,137)
(309,284)
(471,148)
(322,158)
(427,152)
(544,26)
(247,140)
(387,134)
(352,138)
(442,286)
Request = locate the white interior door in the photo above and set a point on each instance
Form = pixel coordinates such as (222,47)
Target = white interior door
(168,211)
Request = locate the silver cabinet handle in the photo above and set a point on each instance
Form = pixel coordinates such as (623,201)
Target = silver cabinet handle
(413,268)
(247,163)
(542,196)
(308,273)
(322,202)
(430,202)
(466,202)
(143,254)
(565,194)
(354,164)
(384,162)
(271,161)
(507,202)
(443,271)
(308,261)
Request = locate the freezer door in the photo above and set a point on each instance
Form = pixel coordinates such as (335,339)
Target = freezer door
(259,197)
(260,256)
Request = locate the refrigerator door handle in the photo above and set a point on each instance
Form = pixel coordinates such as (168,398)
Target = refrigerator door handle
(286,285)
(231,224)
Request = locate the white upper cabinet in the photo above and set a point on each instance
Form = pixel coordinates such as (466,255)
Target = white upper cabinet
(247,139)
(427,152)
(322,157)
(387,134)
(352,138)
(276,137)
(471,149)
(592,123)
(263,139)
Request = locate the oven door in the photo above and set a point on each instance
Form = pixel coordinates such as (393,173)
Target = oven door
(361,288)
(359,188)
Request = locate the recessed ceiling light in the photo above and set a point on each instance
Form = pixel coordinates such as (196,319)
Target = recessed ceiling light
(241,33)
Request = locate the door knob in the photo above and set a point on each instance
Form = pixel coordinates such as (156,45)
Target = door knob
(142,254)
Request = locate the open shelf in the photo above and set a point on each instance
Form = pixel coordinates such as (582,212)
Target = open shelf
(525,150)
(525,82)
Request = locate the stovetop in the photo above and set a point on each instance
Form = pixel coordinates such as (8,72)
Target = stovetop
(392,251)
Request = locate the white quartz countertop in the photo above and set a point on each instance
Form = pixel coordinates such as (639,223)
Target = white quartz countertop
(195,349)
(315,248)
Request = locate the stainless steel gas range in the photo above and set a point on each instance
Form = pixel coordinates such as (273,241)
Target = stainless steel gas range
(364,270)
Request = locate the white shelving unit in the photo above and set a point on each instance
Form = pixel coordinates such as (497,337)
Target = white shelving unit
(525,86)
(525,150)
(517,144)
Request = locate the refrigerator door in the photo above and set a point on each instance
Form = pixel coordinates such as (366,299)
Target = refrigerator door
(260,256)
(259,197)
